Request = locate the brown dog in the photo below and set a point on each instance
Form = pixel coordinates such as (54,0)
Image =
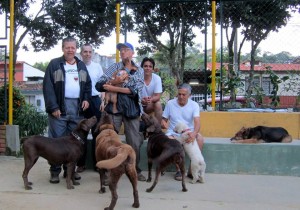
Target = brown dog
(64,150)
(118,158)
(162,151)
(261,134)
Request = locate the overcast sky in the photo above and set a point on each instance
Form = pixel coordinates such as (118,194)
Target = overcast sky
(287,39)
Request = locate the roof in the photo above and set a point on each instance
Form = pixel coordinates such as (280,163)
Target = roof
(262,66)
(27,86)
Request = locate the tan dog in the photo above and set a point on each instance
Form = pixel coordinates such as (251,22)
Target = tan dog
(113,96)
(118,158)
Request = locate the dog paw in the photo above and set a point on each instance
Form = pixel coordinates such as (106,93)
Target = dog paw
(28,187)
(148,180)
(136,205)
(201,180)
(70,187)
(184,190)
(102,190)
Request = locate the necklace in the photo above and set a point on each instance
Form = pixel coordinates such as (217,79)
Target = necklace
(71,63)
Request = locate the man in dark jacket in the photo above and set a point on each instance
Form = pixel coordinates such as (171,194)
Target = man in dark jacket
(67,91)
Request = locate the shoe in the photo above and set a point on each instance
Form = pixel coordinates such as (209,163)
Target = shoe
(178,176)
(190,176)
(141,177)
(54,179)
(80,169)
(76,175)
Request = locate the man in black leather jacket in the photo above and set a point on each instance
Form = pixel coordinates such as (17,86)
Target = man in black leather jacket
(67,92)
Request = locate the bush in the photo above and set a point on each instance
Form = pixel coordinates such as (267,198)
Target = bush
(30,121)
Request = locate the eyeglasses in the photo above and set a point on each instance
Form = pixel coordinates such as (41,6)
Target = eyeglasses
(124,49)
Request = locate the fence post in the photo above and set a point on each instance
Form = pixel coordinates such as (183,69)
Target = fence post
(12,140)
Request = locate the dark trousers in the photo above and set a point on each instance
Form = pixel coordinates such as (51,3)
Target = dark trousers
(93,110)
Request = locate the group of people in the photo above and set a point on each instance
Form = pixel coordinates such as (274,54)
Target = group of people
(73,89)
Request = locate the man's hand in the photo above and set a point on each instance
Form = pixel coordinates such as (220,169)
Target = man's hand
(192,137)
(147,100)
(85,105)
(56,114)
(164,124)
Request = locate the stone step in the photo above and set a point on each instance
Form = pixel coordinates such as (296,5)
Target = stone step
(224,157)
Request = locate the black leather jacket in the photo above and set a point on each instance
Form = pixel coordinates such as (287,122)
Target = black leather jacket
(54,85)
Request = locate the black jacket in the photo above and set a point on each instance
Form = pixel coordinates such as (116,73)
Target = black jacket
(54,85)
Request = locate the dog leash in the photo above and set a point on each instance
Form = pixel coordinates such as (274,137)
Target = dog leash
(77,137)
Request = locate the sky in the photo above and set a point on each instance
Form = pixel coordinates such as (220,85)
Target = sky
(287,39)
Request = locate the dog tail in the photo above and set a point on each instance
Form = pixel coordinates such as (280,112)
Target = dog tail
(124,152)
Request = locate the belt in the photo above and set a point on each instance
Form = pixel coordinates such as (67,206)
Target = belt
(95,96)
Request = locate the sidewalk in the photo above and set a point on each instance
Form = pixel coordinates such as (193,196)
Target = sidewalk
(220,191)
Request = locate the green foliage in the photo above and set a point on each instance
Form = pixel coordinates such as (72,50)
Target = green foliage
(275,81)
(52,20)
(169,87)
(41,66)
(18,101)
(30,121)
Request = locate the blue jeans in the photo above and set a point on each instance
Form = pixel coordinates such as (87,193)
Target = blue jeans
(63,126)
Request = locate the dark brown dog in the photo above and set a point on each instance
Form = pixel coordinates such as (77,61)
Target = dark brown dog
(116,157)
(261,134)
(64,150)
(162,151)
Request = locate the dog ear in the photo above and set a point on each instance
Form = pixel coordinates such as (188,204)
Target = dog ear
(84,126)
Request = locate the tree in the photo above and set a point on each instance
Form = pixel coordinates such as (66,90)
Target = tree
(41,66)
(255,21)
(175,20)
(89,21)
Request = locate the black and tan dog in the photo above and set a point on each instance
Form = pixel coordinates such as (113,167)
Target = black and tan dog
(162,151)
(116,157)
(261,134)
(64,150)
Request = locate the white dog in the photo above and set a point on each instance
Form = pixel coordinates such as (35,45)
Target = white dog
(198,164)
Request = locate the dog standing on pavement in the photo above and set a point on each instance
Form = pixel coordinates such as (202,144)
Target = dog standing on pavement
(262,134)
(198,164)
(162,151)
(63,150)
(116,157)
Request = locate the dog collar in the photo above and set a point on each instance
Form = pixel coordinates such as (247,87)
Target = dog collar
(77,137)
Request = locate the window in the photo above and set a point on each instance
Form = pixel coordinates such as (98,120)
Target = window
(38,102)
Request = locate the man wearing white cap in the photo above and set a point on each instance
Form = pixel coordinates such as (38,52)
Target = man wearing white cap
(131,89)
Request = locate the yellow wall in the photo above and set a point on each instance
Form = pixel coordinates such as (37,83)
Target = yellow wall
(226,124)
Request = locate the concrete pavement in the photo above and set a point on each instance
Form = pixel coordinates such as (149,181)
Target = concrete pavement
(220,191)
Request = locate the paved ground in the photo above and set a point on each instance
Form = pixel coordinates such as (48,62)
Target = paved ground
(220,191)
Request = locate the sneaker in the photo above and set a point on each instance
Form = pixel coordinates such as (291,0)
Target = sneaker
(54,179)
(178,176)
(76,175)
(80,169)
(141,177)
